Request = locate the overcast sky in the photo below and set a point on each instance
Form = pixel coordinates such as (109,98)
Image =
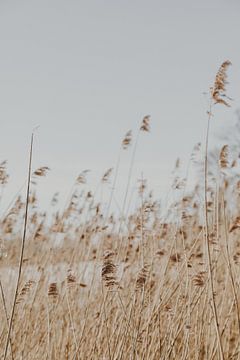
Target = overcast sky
(88,71)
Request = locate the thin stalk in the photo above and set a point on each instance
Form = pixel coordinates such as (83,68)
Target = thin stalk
(71,321)
(106,323)
(22,252)
(129,180)
(230,265)
(113,187)
(209,261)
(6,314)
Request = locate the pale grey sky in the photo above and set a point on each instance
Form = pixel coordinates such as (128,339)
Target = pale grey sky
(88,71)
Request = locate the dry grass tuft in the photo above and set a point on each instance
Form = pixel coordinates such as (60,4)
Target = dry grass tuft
(223,158)
(219,89)
(169,289)
(109,270)
(142,277)
(53,290)
(127,140)
(145,124)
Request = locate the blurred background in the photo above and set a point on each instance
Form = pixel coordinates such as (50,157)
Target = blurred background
(86,72)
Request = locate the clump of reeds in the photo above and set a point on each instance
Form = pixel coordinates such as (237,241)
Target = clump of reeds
(179,306)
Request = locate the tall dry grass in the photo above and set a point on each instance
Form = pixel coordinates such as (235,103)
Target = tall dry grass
(147,284)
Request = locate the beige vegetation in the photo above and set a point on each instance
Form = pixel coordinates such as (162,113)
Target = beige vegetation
(148,284)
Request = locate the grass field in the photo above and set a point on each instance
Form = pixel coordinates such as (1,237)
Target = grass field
(153,283)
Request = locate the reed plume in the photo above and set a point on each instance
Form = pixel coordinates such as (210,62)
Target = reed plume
(223,158)
(127,140)
(109,270)
(219,88)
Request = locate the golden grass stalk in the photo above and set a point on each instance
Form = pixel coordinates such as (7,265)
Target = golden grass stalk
(22,251)
(218,92)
